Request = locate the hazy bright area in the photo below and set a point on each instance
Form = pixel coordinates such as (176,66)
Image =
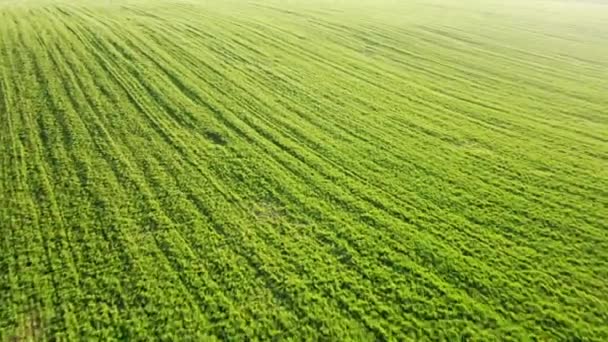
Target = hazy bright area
(304,170)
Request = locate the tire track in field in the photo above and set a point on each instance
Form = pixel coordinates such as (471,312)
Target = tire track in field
(67,81)
(58,66)
(9,194)
(25,185)
(179,163)
(418,102)
(385,73)
(98,127)
(299,311)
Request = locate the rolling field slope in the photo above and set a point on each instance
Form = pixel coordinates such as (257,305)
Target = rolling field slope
(304,170)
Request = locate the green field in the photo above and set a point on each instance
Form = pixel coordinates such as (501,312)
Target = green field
(304,170)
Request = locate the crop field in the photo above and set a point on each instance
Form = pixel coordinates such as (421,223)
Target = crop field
(303,170)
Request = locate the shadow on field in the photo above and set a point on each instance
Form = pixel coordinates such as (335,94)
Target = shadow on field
(216,138)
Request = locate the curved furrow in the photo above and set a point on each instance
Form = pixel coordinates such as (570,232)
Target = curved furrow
(364,171)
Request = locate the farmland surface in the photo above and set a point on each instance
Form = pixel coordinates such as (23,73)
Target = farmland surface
(304,170)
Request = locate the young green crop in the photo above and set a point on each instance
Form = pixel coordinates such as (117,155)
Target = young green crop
(351,170)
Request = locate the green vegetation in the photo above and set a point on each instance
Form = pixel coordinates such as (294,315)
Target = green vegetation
(336,170)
